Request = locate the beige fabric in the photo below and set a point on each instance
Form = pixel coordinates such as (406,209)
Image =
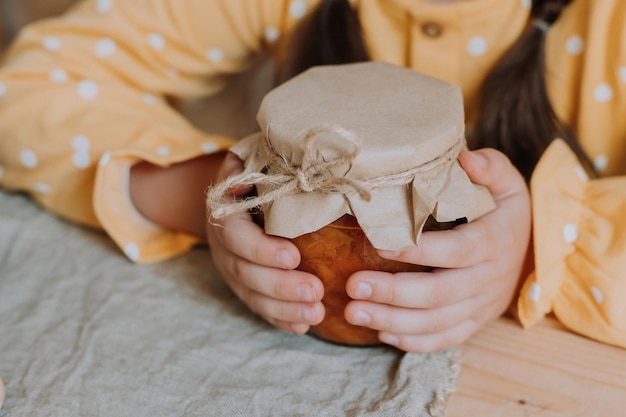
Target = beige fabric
(1,392)
(87,333)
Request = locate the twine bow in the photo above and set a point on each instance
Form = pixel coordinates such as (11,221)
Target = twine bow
(285,178)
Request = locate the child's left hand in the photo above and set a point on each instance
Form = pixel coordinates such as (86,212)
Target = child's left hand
(478,266)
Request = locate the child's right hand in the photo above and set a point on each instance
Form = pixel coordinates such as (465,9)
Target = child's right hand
(260,268)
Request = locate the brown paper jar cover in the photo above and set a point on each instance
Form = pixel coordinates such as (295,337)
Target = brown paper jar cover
(371,141)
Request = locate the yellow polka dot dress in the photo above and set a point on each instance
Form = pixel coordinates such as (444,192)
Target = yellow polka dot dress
(85,96)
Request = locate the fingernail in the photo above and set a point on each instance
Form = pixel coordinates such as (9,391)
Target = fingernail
(389,253)
(305,293)
(306,314)
(479,159)
(363,291)
(299,328)
(389,339)
(284,259)
(362,318)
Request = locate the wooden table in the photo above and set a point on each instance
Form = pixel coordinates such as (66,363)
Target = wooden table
(543,371)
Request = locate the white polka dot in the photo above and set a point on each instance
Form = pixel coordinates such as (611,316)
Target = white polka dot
(81,159)
(163,151)
(104,159)
(58,75)
(1,171)
(570,233)
(215,55)
(42,188)
(51,43)
(575,45)
(3,90)
(603,93)
(526,3)
(88,89)
(297,9)
(582,174)
(149,98)
(157,41)
(477,46)
(105,47)
(28,158)
(132,251)
(209,147)
(534,292)
(600,162)
(104,6)
(81,143)
(622,74)
(271,34)
(597,294)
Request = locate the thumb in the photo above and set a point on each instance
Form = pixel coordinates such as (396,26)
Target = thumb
(492,169)
(232,165)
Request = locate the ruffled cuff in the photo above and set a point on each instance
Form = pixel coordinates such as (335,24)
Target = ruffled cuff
(580,249)
(140,239)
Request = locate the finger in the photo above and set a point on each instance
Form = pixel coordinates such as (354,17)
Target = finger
(246,239)
(424,290)
(492,169)
(297,328)
(287,285)
(455,248)
(399,320)
(277,310)
(434,342)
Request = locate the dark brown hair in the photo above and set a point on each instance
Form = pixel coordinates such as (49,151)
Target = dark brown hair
(515,115)
(328,36)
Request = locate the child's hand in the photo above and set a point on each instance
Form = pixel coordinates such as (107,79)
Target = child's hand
(260,268)
(478,266)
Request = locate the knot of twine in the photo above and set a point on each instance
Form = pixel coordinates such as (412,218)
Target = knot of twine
(285,178)
(313,175)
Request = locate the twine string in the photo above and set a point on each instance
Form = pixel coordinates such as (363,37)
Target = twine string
(283,178)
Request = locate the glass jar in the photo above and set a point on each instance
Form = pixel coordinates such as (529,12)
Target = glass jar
(378,141)
(333,253)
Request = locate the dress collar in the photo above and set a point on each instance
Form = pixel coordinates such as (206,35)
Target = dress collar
(463,13)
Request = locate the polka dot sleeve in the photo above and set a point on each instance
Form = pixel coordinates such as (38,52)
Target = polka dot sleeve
(85,96)
(580,249)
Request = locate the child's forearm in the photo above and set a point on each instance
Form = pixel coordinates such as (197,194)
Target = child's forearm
(174,197)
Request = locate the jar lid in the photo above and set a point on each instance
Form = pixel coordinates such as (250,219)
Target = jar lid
(371,139)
